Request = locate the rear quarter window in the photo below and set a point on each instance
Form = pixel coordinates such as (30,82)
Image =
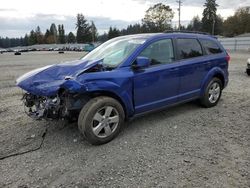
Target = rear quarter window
(210,47)
(189,48)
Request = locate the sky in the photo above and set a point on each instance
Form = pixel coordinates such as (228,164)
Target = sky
(18,17)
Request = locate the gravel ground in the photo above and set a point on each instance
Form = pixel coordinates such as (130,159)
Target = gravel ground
(184,146)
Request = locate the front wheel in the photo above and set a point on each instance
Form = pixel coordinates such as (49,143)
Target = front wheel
(212,94)
(101,119)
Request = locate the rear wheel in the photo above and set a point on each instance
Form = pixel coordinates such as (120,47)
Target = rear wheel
(101,119)
(212,94)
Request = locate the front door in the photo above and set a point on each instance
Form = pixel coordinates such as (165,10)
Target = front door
(157,85)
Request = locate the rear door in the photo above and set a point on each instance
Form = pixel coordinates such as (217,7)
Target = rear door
(193,67)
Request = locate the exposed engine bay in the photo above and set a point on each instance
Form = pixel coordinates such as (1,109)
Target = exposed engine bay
(62,106)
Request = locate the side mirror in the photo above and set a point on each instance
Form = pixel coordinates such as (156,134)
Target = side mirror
(141,62)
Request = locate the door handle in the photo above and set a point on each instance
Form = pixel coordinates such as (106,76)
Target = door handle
(174,69)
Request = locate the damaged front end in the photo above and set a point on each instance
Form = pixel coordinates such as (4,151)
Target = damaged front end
(53,92)
(62,106)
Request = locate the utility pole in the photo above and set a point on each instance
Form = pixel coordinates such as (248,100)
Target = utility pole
(213,26)
(93,31)
(179,10)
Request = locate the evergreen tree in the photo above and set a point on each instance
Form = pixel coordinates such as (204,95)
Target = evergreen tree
(209,16)
(83,33)
(61,32)
(39,36)
(113,32)
(6,43)
(26,40)
(71,38)
(1,42)
(48,37)
(12,42)
(53,32)
(32,38)
(218,27)
(133,29)
(103,37)
(195,24)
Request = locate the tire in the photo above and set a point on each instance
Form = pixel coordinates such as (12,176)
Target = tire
(101,120)
(248,72)
(212,93)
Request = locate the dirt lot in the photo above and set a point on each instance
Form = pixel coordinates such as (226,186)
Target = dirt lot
(185,146)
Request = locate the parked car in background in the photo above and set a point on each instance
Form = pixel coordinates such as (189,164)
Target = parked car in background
(3,51)
(17,52)
(89,47)
(248,67)
(126,77)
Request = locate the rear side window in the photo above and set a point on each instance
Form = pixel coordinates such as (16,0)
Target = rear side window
(210,46)
(188,48)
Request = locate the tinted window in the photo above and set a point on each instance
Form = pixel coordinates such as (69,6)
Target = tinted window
(160,52)
(210,46)
(188,48)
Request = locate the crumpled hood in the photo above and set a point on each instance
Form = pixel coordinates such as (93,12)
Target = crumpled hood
(46,80)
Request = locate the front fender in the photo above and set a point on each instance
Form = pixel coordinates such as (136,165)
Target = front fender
(51,88)
(122,90)
(210,75)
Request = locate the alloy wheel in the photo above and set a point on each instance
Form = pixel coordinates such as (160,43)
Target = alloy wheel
(105,121)
(214,92)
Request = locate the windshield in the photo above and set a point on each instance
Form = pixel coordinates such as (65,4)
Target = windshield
(115,51)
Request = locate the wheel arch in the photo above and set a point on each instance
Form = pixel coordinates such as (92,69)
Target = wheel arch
(221,77)
(214,73)
(109,94)
(122,93)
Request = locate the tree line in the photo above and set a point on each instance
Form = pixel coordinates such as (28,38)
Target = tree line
(158,18)
(211,22)
(86,32)
(51,36)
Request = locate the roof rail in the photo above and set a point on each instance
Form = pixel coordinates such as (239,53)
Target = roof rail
(185,31)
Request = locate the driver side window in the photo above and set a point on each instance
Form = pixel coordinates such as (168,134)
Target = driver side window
(159,52)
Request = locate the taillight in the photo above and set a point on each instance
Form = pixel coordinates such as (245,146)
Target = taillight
(228,58)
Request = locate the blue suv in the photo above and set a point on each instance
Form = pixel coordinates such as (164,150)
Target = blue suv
(126,77)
